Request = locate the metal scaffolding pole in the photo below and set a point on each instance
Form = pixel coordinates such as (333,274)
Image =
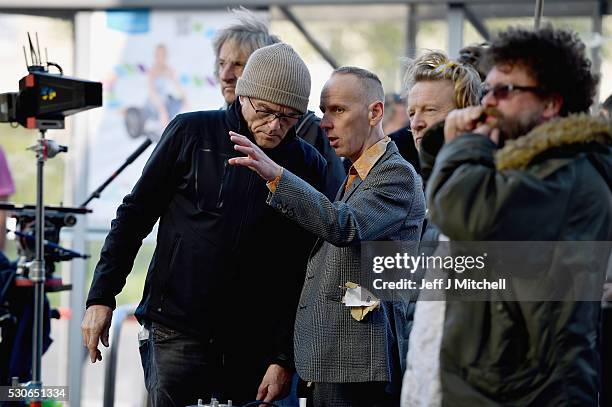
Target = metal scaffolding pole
(478,25)
(455,19)
(539,9)
(78,267)
(315,44)
(412,28)
(600,8)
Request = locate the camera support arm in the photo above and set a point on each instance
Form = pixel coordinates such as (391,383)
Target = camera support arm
(128,161)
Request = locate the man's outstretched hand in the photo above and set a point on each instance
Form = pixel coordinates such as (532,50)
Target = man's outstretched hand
(255,159)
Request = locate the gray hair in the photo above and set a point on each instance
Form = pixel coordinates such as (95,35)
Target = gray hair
(249,33)
(370,83)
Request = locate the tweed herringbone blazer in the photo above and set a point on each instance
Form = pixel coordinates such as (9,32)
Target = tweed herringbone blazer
(331,346)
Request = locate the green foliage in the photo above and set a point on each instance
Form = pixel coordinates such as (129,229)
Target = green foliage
(386,44)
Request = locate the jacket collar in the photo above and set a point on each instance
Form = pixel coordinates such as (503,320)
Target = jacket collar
(574,130)
(364,164)
(390,148)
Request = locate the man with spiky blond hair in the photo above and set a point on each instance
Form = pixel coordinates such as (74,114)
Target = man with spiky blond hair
(435,85)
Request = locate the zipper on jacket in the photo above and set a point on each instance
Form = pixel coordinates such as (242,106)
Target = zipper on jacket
(248,208)
(173,253)
(175,246)
(224,176)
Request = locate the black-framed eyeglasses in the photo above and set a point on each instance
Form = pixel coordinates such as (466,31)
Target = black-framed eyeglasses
(503,91)
(269,116)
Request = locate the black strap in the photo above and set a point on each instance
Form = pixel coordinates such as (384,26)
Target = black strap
(306,119)
(600,169)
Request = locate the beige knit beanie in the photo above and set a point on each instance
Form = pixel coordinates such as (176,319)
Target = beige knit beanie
(276,74)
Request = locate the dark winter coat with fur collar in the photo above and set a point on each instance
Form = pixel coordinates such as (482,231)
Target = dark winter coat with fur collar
(553,184)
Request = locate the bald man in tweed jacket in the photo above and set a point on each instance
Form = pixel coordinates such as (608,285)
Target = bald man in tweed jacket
(381,199)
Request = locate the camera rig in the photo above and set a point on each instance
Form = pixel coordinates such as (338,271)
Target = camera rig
(56,217)
(43,101)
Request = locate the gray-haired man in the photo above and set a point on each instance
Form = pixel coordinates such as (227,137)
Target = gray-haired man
(219,301)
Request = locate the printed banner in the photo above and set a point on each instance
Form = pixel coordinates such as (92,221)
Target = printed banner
(153,65)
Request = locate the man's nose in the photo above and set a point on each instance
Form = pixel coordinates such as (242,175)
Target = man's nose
(227,73)
(274,124)
(488,100)
(325,123)
(417,123)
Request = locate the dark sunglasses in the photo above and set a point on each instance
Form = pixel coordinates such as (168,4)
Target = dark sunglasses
(503,91)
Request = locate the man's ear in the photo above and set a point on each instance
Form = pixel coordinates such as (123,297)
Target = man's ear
(375,112)
(243,106)
(552,106)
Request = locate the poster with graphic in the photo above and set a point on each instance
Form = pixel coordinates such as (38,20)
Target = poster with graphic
(153,65)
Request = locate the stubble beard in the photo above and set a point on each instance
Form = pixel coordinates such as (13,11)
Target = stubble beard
(513,128)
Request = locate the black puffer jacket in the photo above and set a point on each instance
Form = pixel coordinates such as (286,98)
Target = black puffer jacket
(550,185)
(226,266)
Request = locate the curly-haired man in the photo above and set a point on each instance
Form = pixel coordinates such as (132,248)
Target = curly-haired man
(526,165)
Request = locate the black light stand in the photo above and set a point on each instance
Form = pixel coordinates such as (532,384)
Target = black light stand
(37,268)
(44,149)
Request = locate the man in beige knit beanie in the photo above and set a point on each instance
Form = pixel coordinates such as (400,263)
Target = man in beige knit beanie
(221,291)
(233,45)
(275,84)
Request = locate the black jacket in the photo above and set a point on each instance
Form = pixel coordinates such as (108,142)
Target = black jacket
(550,185)
(431,143)
(226,266)
(405,144)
